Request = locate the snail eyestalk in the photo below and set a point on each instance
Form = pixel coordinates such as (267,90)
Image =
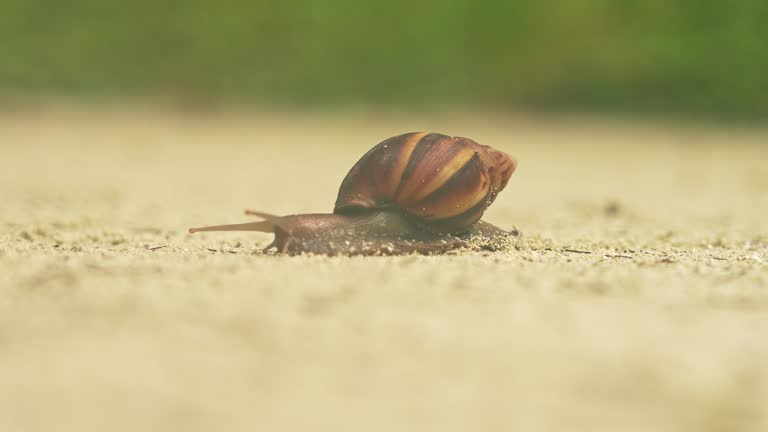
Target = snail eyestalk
(268,225)
(262,226)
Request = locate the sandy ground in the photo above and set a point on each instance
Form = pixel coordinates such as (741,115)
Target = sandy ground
(636,300)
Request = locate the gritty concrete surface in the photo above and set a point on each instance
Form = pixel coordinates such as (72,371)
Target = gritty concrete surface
(636,299)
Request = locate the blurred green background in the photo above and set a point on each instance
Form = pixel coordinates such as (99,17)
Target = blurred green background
(694,57)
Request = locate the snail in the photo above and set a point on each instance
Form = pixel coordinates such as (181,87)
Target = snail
(413,193)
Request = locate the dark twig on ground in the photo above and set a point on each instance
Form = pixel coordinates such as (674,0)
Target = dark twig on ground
(577,251)
(618,256)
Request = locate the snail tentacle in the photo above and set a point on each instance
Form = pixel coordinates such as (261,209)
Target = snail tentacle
(262,226)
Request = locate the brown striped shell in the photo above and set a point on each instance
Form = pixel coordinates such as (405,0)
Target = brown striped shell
(442,183)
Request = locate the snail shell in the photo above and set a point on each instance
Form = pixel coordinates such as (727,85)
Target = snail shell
(442,184)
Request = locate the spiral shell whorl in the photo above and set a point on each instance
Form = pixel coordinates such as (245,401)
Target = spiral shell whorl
(442,183)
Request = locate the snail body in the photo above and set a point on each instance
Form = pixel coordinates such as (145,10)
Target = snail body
(378,232)
(412,193)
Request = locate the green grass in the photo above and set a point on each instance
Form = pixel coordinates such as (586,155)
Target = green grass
(681,56)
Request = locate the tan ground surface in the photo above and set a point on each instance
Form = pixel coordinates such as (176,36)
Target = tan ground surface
(663,326)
